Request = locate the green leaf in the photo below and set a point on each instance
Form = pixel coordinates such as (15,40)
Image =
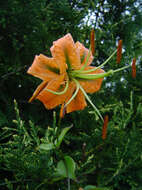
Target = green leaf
(61,136)
(66,167)
(49,146)
(92,187)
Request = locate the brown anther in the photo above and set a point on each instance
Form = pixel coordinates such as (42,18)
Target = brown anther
(92,41)
(119,51)
(104,130)
(134,68)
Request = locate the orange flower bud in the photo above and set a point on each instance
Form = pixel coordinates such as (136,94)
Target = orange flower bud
(62,111)
(104,130)
(134,68)
(119,51)
(92,41)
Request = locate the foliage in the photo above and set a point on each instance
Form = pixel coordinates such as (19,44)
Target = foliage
(37,149)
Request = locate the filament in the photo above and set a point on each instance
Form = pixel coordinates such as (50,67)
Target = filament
(74,95)
(59,93)
(87,97)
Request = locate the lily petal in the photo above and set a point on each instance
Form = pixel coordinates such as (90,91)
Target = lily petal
(84,53)
(38,90)
(51,100)
(65,53)
(91,86)
(44,68)
(78,103)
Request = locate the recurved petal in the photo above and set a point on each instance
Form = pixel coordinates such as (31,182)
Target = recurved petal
(78,103)
(51,100)
(46,97)
(91,86)
(44,68)
(84,53)
(65,53)
(38,90)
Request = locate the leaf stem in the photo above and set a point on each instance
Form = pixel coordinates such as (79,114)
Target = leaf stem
(68,183)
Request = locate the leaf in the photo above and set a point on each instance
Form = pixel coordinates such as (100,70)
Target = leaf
(61,136)
(66,167)
(49,146)
(92,187)
(70,166)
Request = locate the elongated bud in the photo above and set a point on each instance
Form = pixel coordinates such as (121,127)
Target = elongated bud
(119,51)
(62,111)
(134,68)
(104,130)
(92,41)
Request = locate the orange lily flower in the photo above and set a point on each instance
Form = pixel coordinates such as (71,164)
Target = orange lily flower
(67,76)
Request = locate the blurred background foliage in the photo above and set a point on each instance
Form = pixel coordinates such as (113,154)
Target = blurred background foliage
(28,28)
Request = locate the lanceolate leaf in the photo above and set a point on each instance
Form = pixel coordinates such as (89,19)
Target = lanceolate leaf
(49,146)
(61,136)
(92,187)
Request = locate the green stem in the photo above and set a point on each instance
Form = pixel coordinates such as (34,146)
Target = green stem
(68,183)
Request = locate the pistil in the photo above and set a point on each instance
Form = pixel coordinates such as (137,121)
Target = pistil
(91,76)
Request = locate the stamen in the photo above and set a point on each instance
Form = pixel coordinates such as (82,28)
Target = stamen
(119,51)
(104,130)
(94,69)
(87,97)
(74,95)
(92,76)
(59,93)
(92,41)
(85,64)
(134,68)
(122,68)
